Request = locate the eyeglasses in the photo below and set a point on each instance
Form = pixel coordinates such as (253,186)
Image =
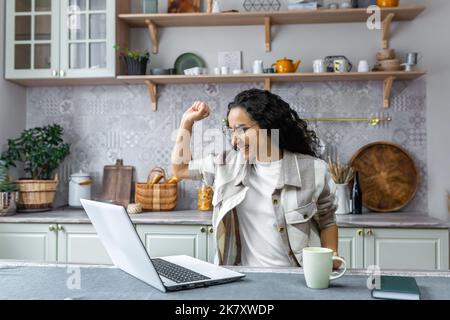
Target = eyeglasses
(239,131)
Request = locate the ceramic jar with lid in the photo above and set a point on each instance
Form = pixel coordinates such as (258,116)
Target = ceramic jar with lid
(79,188)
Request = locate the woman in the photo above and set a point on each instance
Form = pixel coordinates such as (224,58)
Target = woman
(272,195)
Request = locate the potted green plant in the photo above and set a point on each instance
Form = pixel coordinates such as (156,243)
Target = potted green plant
(41,150)
(8,192)
(136,61)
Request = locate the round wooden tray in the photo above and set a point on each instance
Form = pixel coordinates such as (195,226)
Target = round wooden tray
(388,176)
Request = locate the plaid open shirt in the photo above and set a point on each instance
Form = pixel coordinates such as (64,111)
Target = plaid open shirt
(304,202)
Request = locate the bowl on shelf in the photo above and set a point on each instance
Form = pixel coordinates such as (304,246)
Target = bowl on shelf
(388,3)
(159,71)
(386,54)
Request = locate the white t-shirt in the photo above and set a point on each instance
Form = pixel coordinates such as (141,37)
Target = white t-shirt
(261,242)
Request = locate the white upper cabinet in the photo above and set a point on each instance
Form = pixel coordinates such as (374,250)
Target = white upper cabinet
(48,39)
(32,39)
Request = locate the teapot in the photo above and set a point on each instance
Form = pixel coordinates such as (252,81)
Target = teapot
(286,65)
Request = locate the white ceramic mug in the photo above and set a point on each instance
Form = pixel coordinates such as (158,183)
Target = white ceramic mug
(258,67)
(318,267)
(225,70)
(363,66)
(318,66)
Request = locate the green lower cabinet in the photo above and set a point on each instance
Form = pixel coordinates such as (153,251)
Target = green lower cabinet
(170,240)
(395,249)
(28,242)
(351,247)
(79,243)
(407,249)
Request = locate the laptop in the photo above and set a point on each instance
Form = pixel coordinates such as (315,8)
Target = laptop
(126,250)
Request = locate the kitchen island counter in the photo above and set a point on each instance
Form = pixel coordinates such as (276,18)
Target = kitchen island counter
(49,281)
(195,217)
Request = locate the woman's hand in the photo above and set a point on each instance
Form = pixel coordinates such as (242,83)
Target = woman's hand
(198,111)
(336,263)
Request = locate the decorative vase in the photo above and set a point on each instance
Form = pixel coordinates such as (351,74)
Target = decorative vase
(8,203)
(343,199)
(136,67)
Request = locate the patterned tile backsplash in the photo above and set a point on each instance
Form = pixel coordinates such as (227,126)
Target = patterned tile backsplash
(104,123)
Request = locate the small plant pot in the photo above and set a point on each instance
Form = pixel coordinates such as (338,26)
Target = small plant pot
(136,67)
(8,203)
(36,195)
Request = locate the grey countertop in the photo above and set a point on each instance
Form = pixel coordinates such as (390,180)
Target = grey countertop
(49,281)
(193,217)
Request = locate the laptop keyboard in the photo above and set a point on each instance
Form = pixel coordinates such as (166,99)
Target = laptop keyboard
(176,273)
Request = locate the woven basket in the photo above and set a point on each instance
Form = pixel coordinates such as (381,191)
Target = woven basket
(36,195)
(8,203)
(156,197)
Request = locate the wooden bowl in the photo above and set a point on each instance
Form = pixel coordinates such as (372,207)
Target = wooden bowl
(386,54)
(388,3)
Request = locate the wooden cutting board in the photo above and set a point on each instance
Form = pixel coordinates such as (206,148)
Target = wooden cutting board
(117,183)
(388,176)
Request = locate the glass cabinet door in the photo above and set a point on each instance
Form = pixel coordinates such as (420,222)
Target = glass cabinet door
(87,38)
(32,39)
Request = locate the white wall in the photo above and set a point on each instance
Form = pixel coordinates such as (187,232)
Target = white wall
(12,97)
(429,34)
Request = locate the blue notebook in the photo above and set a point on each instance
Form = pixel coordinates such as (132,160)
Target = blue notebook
(397,288)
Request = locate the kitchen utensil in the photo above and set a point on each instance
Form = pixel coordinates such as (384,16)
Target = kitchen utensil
(388,3)
(225,70)
(329,62)
(319,66)
(413,58)
(159,71)
(385,54)
(286,65)
(258,67)
(363,66)
(389,65)
(117,183)
(388,176)
(341,65)
(79,188)
(318,267)
(188,60)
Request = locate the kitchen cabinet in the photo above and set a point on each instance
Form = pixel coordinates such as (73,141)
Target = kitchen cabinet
(395,249)
(56,39)
(168,240)
(79,243)
(30,242)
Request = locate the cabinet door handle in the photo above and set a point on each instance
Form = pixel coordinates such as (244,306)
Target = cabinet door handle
(360,232)
(61,228)
(52,228)
(370,233)
(211,230)
(62,73)
(55,73)
(202,229)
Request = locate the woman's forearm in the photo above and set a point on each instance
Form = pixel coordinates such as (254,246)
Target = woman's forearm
(329,238)
(181,153)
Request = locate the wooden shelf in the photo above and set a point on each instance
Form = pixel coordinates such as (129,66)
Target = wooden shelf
(269,79)
(265,19)
(403,13)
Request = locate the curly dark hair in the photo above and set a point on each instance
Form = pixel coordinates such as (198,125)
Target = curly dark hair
(270,111)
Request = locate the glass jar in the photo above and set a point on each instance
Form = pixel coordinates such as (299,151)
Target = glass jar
(205,196)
